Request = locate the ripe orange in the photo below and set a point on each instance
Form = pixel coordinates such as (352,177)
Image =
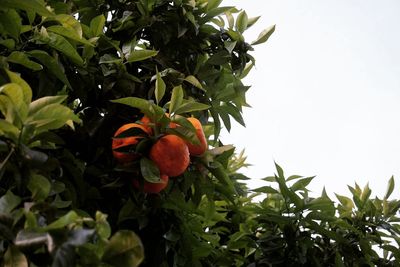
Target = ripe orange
(171,155)
(152,188)
(199,149)
(146,122)
(131,140)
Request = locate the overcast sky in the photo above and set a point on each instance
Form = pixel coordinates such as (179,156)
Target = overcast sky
(325,93)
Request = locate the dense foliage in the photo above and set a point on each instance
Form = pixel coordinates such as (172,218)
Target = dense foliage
(72,72)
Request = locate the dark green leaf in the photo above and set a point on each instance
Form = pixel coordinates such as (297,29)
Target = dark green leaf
(266,189)
(61,44)
(8,202)
(51,64)
(11,22)
(301,184)
(36,6)
(68,33)
(39,187)
(390,188)
(150,171)
(22,59)
(124,249)
(139,55)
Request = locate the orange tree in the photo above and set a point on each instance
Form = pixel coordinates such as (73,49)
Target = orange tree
(82,185)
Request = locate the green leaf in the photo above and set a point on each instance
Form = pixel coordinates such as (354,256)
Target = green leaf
(160,88)
(8,202)
(211,4)
(185,133)
(241,22)
(69,23)
(139,55)
(264,35)
(39,187)
(193,80)
(142,104)
(9,130)
(252,21)
(65,220)
(61,44)
(14,102)
(40,103)
(11,23)
(36,6)
(190,107)
(124,249)
(26,89)
(68,33)
(390,188)
(176,99)
(22,59)
(266,189)
(51,64)
(52,116)
(97,25)
(149,170)
(14,258)
(301,184)
(215,12)
(102,226)
(345,201)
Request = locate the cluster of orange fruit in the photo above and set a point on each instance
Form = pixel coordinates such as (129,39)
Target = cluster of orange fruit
(170,152)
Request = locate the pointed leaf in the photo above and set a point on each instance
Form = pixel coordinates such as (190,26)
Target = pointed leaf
(139,55)
(68,33)
(40,103)
(97,25)
(22,59)
(264,35)
(36,6)
(61,44)
(241,22)
(65,220)
(190,107)
(176,99)
(390,188)
(193,80)
(160,88)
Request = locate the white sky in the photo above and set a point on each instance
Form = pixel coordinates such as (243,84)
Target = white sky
(325,93)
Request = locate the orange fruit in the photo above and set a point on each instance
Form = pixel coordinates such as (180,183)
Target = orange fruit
(171,154)
(131,140)
(152,188)
(199,149)
(145,121)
